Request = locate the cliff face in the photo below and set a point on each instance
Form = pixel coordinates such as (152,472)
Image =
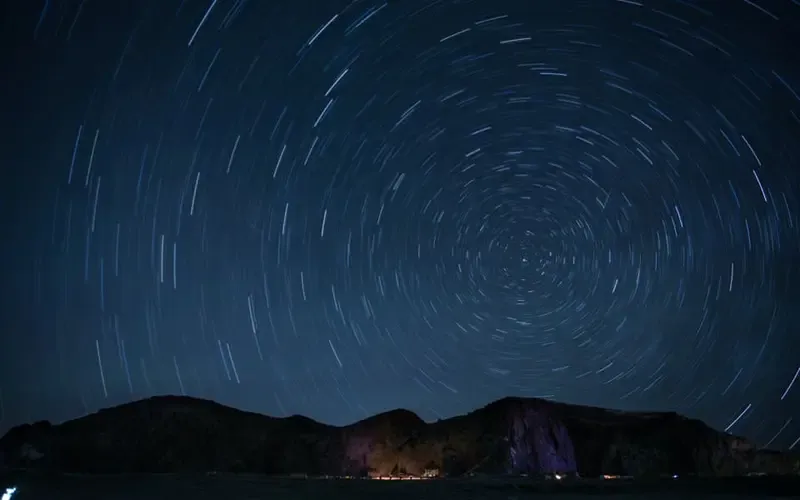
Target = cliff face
(510,436)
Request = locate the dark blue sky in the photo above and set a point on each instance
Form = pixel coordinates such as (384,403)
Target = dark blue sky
(334,208)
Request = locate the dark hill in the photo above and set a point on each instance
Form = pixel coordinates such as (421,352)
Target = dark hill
(509,436)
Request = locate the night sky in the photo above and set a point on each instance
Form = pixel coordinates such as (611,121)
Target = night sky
(338,208)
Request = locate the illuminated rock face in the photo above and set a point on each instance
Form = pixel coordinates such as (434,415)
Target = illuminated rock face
(538,444)
(357,450)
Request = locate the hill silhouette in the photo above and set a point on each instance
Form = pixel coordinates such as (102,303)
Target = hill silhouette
(513,436)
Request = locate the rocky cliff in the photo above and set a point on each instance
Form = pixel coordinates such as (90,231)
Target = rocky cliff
(510,436)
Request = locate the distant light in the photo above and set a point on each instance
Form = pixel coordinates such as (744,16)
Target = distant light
(675,476)
(9,493)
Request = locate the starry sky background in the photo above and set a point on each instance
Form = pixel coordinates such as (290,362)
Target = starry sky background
(337,208)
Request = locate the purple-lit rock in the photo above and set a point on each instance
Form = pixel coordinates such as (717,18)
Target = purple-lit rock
(538,444)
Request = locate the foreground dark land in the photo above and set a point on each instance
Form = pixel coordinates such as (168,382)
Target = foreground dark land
(233,487)
(512,436)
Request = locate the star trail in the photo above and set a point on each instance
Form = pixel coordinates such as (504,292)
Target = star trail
(337,208)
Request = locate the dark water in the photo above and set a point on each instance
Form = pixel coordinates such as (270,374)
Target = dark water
(178,487)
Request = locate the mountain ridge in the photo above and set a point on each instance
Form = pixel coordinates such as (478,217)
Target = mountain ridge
(509,436)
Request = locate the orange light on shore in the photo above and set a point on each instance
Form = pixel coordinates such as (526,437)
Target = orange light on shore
(399,478)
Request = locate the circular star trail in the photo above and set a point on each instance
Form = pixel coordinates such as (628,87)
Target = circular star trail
(334,209)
